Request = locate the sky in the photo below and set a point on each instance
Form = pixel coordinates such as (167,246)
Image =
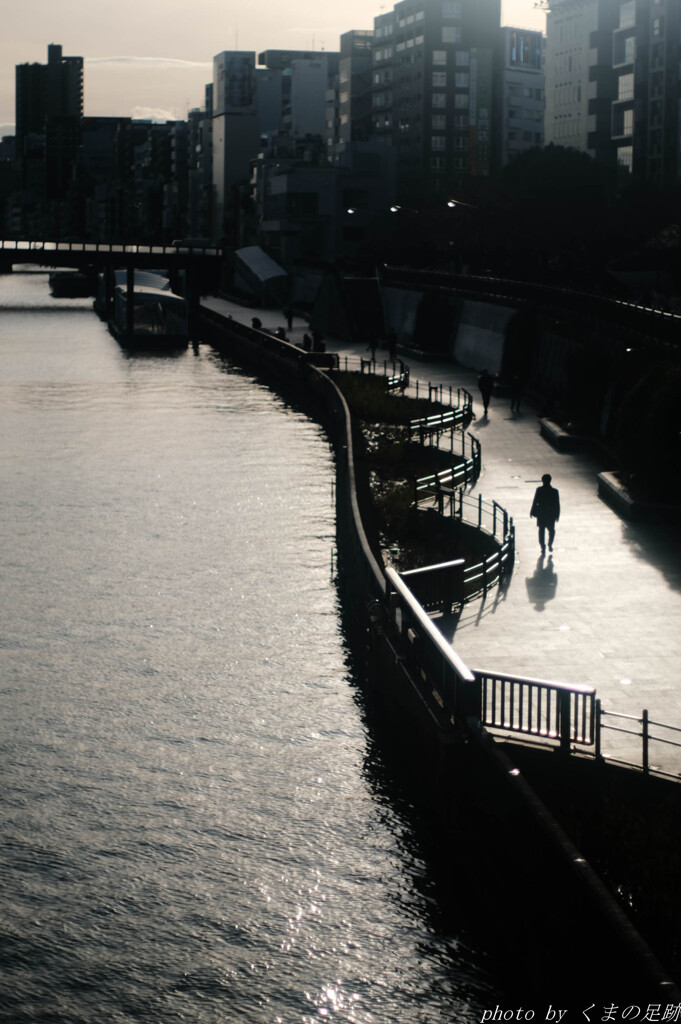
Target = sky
(153,58)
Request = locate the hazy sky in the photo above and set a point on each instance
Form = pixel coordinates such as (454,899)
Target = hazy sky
(152,58)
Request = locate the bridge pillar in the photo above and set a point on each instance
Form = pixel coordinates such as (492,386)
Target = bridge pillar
(130,301)
(192,296)
(109,287)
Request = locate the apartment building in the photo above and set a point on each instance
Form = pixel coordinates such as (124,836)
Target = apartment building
(521,92)
(434,91)
(612,84)
(49,111)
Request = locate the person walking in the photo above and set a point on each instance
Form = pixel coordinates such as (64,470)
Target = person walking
(516,393)
(546,510)
(486,385)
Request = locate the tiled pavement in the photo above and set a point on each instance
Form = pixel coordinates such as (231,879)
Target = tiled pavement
(604,610)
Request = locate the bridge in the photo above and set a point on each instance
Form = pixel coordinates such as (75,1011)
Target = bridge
(105,257)
(107,254)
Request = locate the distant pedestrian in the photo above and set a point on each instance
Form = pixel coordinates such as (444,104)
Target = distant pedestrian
(516,393)
(546,510)
(392,345)
(256,323)
(486,385)
(288,313)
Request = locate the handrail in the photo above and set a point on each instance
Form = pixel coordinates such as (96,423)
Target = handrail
(433,426)
(441,670)
(445,394)
(437,485)
(645,735)
(538,707)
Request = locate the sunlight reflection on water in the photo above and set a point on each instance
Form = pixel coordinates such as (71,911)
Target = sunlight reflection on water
(191,827)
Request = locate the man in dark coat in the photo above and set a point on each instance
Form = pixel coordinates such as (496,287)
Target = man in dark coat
(546,510)
(486,385)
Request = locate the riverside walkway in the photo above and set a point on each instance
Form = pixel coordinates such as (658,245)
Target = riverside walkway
(605,610)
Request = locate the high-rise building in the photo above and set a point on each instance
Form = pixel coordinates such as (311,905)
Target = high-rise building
(235,134)
(354,86)
(612,84)
(434,91)
(522,92)
(49,105)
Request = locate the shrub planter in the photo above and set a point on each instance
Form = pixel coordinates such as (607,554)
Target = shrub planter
(561,440)
(615,494)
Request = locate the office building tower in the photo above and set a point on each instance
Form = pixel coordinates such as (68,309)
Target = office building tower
(49,111)
(612,84)
(434,91)
(522,92)
(235,134)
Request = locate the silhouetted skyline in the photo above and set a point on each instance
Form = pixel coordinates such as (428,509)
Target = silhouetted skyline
(157,66)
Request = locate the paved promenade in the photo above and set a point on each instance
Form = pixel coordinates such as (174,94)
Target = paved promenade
(604,610)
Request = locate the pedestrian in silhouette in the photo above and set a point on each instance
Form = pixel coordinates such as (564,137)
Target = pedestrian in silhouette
(546,510)
(486,385)
(288,313)
(516,393)
(256,323)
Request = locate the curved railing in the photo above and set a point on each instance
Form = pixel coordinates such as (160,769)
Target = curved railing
(446,487)
(437,487)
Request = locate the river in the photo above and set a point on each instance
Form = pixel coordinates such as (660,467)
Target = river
(195,823)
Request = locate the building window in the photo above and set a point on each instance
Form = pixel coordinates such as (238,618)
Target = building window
(628,14)
(439,56)
(462,59)
(461,120)
(625,87)
(461,142)
(438,163)
(625,157)
(461,79)
(439,100)
(451,34)
(461,100)
(451,9)
(438,142)
(438,122)
(439,78)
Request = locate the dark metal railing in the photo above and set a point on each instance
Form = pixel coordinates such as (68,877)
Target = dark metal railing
(536,707)
(491,518)
(440,486)
(429,428)
(445,394)
(646,734)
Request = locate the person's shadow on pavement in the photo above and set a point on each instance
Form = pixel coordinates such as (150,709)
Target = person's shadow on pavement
(541,586)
